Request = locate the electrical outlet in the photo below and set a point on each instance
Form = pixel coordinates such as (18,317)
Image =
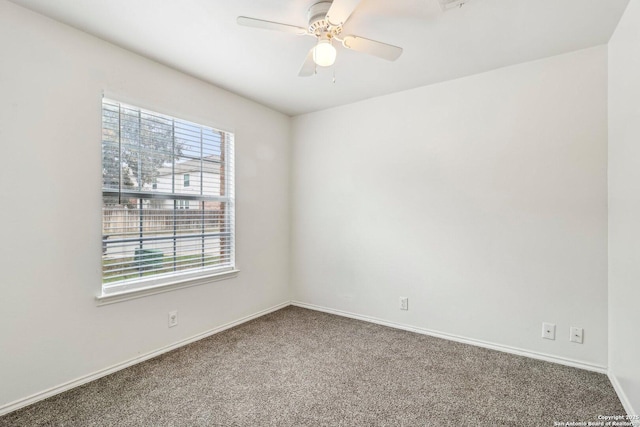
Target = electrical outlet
(404,303)
(549,331)
(173,318)
(576,334)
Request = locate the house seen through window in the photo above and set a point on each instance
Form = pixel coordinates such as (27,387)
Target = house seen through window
(154,230)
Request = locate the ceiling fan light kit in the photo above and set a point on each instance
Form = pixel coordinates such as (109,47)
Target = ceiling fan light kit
(325,21)
(324,54)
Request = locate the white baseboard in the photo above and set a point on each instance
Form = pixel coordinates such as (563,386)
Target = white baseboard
(20,403)
(10,407)
(626,403)
(478,343)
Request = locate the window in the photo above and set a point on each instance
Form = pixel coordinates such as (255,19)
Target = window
(154,231)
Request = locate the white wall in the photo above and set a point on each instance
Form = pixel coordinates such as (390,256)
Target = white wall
(624,206)
(483,200)
(51,81)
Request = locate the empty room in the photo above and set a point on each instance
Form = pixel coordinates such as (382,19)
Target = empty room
(320,213)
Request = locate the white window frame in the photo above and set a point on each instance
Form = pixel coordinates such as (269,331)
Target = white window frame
(134,288)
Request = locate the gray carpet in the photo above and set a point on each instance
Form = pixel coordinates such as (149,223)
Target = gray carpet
(298,367)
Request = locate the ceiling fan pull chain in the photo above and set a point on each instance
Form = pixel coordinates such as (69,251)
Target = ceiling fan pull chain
(334,74)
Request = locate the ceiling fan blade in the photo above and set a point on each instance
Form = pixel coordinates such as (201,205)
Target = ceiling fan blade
(269,25)
(341,10)
(372,47)
(308,67)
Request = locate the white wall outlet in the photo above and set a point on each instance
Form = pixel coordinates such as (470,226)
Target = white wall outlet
(404,303)
(549,331)
(173,318)
(576,334)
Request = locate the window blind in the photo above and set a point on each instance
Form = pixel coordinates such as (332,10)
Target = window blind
(168,199)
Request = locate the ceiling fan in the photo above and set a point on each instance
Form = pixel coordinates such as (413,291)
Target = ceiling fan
(326,19)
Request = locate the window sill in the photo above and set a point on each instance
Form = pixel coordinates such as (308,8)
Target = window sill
(115,297)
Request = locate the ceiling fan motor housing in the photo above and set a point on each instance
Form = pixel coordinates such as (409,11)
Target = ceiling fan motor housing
(318,23)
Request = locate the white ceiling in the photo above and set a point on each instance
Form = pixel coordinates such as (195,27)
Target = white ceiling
(201,38)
